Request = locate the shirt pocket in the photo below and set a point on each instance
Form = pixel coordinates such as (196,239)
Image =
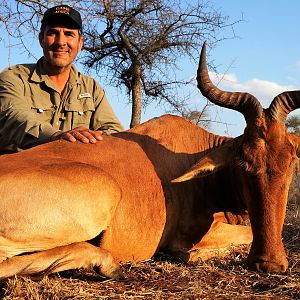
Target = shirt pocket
(43,110)
(81,111)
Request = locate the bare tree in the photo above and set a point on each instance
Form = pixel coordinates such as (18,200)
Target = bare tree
(138,43)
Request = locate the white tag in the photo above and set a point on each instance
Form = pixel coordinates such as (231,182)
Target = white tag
(80,113)
(84,95)
(40,110)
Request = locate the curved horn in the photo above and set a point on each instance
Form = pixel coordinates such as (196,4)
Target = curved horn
(283,104)
(245,103)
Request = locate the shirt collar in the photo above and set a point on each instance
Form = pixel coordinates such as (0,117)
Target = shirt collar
(39,74)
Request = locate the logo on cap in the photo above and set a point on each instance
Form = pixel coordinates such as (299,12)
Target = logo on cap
(62,10)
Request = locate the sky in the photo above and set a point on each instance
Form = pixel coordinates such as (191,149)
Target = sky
(263,59)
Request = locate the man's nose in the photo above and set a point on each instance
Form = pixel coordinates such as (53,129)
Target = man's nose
(61,39)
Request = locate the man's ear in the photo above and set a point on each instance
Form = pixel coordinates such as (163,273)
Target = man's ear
(81,42)
(41,38)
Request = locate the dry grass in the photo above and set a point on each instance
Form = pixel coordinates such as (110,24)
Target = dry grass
(226,278)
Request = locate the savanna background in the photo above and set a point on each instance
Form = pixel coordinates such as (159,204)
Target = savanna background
(250,50)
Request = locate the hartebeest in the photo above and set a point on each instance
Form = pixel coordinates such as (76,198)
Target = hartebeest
(69,205)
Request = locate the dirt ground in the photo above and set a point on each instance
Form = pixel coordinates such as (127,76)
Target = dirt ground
(226,278)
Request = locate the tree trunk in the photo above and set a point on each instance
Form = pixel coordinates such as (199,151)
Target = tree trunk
(136,96)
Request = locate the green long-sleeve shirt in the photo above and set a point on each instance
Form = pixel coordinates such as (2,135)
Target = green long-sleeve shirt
(32,108)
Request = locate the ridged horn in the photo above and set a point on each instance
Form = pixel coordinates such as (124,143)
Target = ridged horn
(283,104)
(245,103)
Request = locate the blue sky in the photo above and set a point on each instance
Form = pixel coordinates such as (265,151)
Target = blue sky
(264,59)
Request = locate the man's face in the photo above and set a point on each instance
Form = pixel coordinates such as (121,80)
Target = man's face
(60,46)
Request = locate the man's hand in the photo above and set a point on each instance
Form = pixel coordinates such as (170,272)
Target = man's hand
(81,134)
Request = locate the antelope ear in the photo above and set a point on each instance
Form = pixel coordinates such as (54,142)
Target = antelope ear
(213,161)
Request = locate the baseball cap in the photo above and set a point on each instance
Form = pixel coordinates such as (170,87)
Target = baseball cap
(62,11)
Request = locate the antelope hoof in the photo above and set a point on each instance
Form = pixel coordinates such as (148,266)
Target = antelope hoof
(268,267)
(110,269)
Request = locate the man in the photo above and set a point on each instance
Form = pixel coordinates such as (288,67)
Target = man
(51,100)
